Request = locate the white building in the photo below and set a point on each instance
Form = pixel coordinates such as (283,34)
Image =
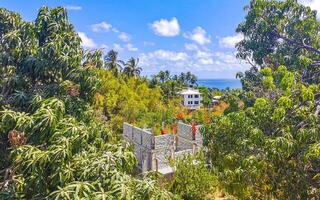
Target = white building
(216,100)
(191,98)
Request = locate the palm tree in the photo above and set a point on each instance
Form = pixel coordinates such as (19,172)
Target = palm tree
(112,62)
(164,76)
(182,79)
(191,79)
(173,85)
(131,67)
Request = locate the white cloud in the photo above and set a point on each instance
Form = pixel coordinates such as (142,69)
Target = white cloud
(103,26)
(166,55)
(167,28)
(115,30)
(198,35)
(230,41)
(204,57)
(73,7)
(130,47)
(191,47)
(86,42)
(226,57)
(104,46)
(313,4)
(201,61)
(164,60)
(147,43)
(125,37)
(117,47)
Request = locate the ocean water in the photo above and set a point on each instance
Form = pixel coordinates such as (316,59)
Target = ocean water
(220,83)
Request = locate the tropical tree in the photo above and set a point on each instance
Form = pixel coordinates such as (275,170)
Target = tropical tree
(164,76)
(270,149)
(131,67)
(53,142)
(171,84)
(281,33)
(206,96)
(113,63)
(191,79)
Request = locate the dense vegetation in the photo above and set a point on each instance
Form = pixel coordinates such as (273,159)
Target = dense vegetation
(62,109)
(270,146)
(172,84)
(53,143)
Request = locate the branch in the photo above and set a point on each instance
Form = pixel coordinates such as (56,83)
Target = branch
(251,63)
(302,45)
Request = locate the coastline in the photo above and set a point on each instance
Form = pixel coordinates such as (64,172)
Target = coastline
(220,83)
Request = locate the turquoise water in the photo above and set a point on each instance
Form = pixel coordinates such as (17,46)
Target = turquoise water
(220,83)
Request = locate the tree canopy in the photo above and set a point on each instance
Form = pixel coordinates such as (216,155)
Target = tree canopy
(53,143)
(281,33)
(269,147)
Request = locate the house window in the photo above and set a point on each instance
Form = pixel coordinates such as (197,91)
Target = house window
(190,95)
(196,96)
(189,102)
(196,103)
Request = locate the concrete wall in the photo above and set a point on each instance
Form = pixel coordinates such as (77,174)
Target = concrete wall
(127,131)
(163,141)
(153,151)
(163,149)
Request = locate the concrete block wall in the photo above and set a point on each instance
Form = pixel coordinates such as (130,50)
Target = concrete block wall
(187,138)
(137,151)
(162,156)
(163,141)
(146,160)
(127,131)
(199,138)
(185,131)
(147,139)
(183,144)
(155,150)
(163,149)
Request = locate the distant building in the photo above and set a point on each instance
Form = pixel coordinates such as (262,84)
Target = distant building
(216,100)
(191,98)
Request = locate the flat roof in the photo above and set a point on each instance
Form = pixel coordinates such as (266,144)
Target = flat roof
(189,91)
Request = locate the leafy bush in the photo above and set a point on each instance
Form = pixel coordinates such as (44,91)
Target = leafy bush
(264,151)
(192,178)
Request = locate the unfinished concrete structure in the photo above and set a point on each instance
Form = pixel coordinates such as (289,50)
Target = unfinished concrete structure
(153,152)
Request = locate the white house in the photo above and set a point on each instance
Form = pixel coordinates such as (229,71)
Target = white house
(216,100)
(191,98)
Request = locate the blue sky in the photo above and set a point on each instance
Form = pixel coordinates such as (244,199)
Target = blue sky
(174,35)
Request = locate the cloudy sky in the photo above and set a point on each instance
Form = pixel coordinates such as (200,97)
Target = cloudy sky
(174,35)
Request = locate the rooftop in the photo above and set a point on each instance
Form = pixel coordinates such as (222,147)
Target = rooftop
(217,97)
(189,91)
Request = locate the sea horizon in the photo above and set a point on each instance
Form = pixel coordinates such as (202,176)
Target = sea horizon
(220,83)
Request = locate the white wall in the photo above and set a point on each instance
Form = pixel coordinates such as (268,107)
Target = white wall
(186,99)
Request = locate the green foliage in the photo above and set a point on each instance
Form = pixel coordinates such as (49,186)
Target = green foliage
(171,84)
(131,67)
(264,151)
(192,178)
(279,32)
(206,96)
(53,143)
(130,99)
(232,98)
